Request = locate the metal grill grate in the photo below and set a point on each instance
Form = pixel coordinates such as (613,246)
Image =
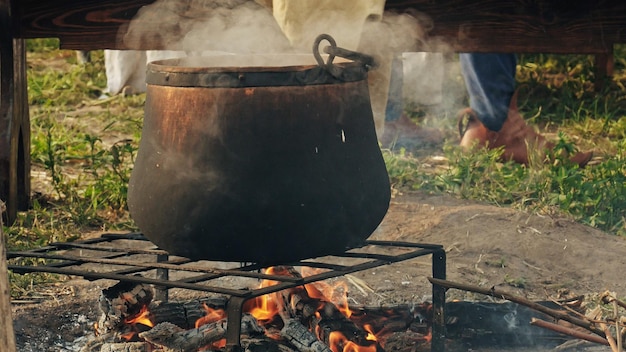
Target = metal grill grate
(132,258)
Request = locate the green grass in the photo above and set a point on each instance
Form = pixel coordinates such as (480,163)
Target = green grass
(556,93)
(85,147)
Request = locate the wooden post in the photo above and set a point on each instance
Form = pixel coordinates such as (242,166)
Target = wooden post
(14,118)
(7,337)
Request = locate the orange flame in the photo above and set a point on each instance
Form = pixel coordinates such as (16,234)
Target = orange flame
(265,308)
(143,318)
(371,336)
(212,315)
(339,343)
(337,293)
(128,336)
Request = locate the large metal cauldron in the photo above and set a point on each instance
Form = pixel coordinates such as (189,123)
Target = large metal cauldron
(258,158)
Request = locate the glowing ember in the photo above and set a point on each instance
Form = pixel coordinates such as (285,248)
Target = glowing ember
(339,343)
(143,318)
(212,315)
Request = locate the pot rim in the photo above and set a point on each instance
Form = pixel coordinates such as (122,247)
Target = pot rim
(222,71)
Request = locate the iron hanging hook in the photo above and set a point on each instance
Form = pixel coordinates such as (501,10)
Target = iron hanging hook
(333,50)
(316,50)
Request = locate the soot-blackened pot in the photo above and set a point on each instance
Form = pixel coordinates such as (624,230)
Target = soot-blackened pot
(262,159)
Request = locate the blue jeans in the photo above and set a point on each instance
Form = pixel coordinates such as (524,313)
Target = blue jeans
(490,82)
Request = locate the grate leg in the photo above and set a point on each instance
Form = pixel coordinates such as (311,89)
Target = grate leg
(234,311)
(161,292)
(439,302)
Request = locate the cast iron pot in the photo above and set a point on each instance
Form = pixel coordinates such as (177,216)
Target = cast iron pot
(262,159)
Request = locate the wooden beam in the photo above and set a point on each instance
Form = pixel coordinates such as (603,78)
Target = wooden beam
(542,26)
(518,26)
(79,24)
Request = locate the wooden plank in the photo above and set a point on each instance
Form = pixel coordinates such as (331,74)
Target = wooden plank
(7,336)
(549,26)
(80,24)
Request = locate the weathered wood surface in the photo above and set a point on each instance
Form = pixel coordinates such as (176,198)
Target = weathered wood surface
(7,337)
(14,121)
(84,24)
(545,26)
(548,26)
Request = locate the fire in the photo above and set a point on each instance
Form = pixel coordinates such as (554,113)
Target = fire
(143,318)
(265,308)
(337,293)
(339,343)
(319,306)
(212,315)
(371,336)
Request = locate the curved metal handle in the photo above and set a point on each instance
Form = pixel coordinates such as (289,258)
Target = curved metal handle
(333,50)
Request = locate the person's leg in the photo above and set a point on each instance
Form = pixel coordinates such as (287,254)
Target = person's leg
(493,119)
(490,82)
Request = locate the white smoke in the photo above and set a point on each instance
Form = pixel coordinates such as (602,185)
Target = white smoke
(231,26)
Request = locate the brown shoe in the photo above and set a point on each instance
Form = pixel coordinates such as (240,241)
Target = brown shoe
(473,133)
(516,137)
(405,133)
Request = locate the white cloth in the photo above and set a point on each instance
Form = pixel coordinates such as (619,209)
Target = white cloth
(303,20)
(127,68)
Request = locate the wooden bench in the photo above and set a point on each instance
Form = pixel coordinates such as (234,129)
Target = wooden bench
(521,26)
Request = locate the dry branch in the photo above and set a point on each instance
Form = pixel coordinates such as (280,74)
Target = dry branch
(567,331)
(519,300)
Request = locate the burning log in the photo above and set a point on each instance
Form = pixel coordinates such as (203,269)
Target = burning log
(264,345)
(185,314)
(175,338)
(122,302)
(125,347)
(302,338)
(387,320)
(333,328)
(332,321)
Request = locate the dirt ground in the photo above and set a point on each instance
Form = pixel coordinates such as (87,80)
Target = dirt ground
(531,256)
